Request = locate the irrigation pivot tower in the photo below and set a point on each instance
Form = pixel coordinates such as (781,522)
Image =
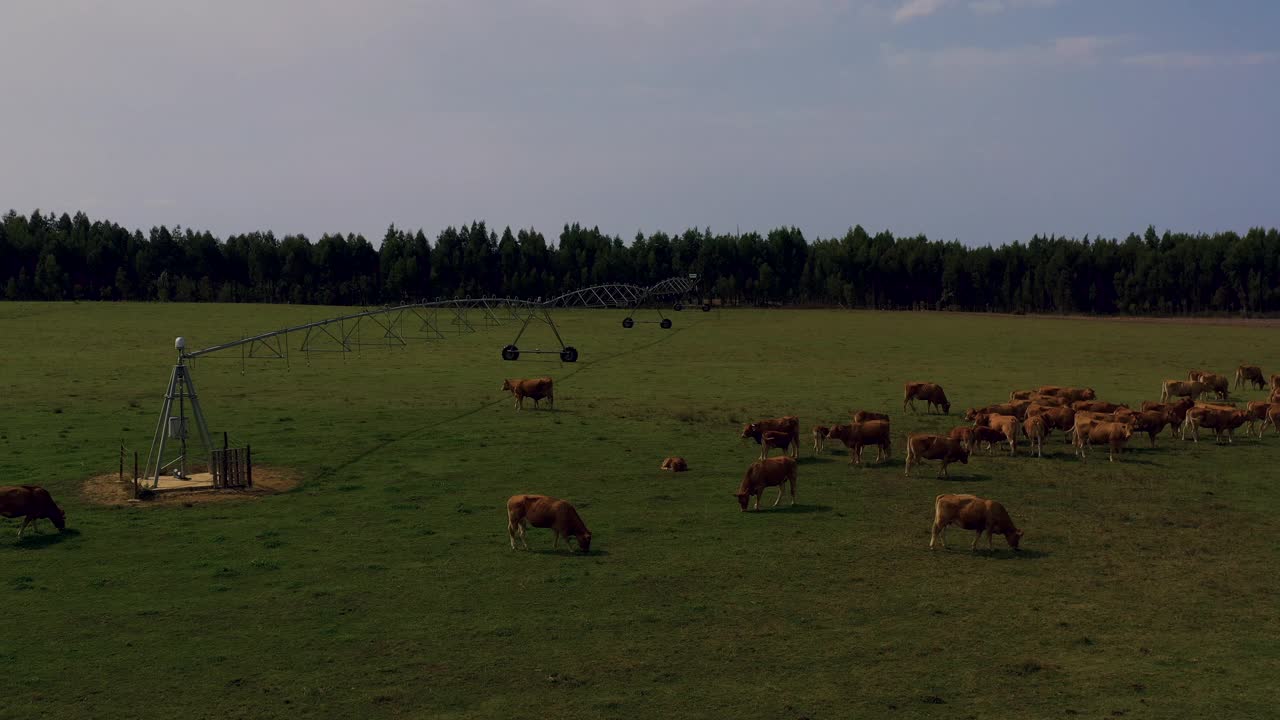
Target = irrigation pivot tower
(174,427)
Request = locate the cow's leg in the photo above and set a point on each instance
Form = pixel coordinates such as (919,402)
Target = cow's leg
(990,543)
(793,490)
(759,495)
(23,527)
(524,527)
(976,538)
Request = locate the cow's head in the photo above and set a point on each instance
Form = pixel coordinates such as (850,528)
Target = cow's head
(506,386)
(743,497)
(971,413)
(821,431)
(946,406)
(1013,537)
(751,430)
(961,455)
(584,542)
(980,419)
(57,516)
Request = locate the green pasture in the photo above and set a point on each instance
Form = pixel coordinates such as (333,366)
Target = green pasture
(384,585)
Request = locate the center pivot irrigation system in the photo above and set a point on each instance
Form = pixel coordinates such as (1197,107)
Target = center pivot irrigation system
(394,327)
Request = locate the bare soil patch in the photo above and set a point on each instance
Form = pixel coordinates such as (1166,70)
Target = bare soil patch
(267,481)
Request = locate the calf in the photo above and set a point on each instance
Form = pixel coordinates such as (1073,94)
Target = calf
(1256,416)
(788,424)
(1008,426)
(542,511)
(922,447)
(965,434)
(987,437)
(765,473)
(865,415)
(674,464)
(819,437)
(972,513)
(32,503)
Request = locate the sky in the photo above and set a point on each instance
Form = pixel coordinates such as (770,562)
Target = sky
(985,121)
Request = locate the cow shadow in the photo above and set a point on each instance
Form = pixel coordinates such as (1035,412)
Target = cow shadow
(45,539)
(974,477)
(1011,554)
(810,460)
(569,553)
(792,509)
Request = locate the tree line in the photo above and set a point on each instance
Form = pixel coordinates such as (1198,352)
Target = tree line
(65,257)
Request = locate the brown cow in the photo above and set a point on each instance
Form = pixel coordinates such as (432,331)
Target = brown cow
(1056,418)
(767,473)
(1256,415)
(1152,422)
(856,436)
(1216,419)
(1017,408)
(542,511)
(865,415)
(820,437)
(535,389)
(33,503)
(1035,430)
(971,512)
(1170,389)
(1114,434)
(1251,374)
(1274,382)
(789,424)
(1101,406)
(922,447)
(1072,394)
(1273,418)
(986,436)
(1050,400)
(1218,384)
(1007,425)
(965,434)
(771,439)
(675,464)
(1021,395)
(931,393)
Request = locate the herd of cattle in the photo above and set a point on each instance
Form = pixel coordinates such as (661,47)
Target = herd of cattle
(1028,415)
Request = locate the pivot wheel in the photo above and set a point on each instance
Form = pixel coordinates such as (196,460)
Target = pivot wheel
(569,354)
(628,323)
(665,324)
(678,307)
(511,352)
(706,307)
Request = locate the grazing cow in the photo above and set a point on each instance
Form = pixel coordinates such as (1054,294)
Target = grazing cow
(789,424)
(675,464)
(542,511)
(1251,374)
(1178,388)
(1114,434)
(1152,422)
(1017,408)
(931,393)
(32,503)
(856,436)
(535,389)
(767,473)
(1101,406)
(922,447)
(1007,425)
(865,415)
(820,437)
(1218,384)
(971,512)
(988,437)
(1216,419)
(1071,394)
(1036,431)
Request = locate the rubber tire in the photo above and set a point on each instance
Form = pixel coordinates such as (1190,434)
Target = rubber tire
(706,307)
(665,324)
(628,323)
(511,352)
(569,354)
(678,307)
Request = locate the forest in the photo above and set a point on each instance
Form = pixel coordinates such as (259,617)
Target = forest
(70,257)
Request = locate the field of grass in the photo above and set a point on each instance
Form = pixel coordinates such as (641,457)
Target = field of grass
(384,586)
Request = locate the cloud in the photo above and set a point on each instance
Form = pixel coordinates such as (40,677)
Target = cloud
(991,7)
(1200,61)
(913,9)
(1075,51)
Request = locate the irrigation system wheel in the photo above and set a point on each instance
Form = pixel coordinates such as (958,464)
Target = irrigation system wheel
(665,324)
(569,354)
(628,323)
(511,352)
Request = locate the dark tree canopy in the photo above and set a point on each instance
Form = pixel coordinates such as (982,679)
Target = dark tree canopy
(49,257)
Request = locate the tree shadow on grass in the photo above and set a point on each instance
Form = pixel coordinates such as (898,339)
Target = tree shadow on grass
(45,539)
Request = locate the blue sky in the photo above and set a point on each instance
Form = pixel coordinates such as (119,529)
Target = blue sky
(978,120)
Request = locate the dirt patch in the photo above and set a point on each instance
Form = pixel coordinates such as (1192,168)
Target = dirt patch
(108,490)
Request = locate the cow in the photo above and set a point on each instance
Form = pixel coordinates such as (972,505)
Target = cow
(985,436)
(1274,382)
(1152,422)
(1177,411)
(1256,416)
(1197,375)
(1056,418)
(1216,419)
(1007,425)
(1017,409)
(931,393)
(965,434)
(1035,430)
(1101,406)
(1071,394)
(1273,418)
(1250,374)
(535,389)
(767,473)
(1021,395)
(542,511)
(1218,384)
(820,437)
(1050,400)
(1114,434)
(971,512)
(922,447)
(865,415)
(674,464)
(771,439)
(32,503)
(856,436)
(1170,389)
(789,424)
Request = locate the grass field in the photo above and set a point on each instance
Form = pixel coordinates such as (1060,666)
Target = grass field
(384,586)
